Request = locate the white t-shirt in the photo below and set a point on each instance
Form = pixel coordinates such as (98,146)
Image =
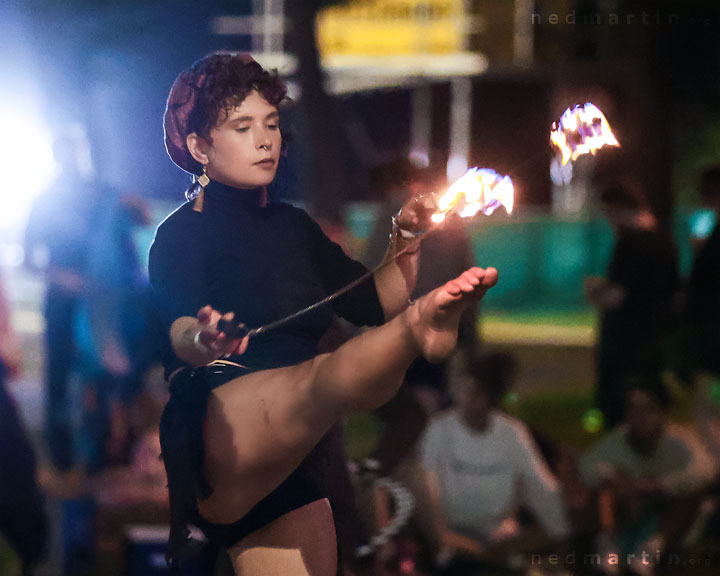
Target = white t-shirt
(485,476)
(680,462)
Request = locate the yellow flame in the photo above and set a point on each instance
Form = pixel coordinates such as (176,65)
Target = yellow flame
(478,190)
(581,130)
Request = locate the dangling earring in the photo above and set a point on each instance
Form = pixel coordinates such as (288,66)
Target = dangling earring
(204,179)
(197,190)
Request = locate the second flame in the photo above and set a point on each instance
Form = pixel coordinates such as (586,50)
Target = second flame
(581,130)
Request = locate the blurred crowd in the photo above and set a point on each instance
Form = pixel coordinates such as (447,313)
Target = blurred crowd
(98,413)
(491,495)
(494,496)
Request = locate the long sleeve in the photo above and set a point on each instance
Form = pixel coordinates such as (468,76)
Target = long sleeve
(34,240)
(109,277)
(698,469)
(600,462)
(541,491)
(361,305)
(176,269)
(433,446)
(177,275)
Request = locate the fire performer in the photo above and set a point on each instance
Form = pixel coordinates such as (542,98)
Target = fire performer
(245,412)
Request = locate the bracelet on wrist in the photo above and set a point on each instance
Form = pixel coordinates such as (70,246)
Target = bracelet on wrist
(397,230)
(200,345)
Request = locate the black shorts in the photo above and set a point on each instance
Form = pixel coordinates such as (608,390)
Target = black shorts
(183,454)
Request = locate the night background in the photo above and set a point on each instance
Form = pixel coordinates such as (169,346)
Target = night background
(484,92)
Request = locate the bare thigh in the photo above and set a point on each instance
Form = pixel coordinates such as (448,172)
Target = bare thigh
(301,543)
(258,429)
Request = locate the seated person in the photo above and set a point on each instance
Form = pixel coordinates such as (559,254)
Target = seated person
(646,475)
(482,465)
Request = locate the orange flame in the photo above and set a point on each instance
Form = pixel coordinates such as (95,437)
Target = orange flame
(581,130)
(479,190)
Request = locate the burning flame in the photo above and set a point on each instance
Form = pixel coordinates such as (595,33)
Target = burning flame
(479,190)
(581,130)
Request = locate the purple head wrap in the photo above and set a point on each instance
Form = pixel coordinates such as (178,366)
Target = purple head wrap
(180,104)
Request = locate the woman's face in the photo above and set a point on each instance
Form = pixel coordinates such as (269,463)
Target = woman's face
(244,147)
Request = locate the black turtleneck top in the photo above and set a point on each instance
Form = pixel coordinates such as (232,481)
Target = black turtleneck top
(261,262)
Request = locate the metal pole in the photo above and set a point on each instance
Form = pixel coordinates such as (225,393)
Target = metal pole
(420,123)
(523,36)
(460,127)
(258,43)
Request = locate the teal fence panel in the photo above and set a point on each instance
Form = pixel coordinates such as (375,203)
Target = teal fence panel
(543,260)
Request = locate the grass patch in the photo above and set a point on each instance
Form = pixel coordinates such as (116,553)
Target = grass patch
(569,327)
(584,317)
(556,415)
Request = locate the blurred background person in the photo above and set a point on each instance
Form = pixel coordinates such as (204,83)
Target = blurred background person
(445,253)
(635,299)
(702,349)
(113,330)
(703,290)
(647,476)
(23,523)
(482,466)
(56,246)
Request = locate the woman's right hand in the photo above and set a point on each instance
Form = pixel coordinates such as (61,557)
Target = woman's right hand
(213,339)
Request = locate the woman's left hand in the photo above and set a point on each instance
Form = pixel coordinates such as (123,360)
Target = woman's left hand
(415,214)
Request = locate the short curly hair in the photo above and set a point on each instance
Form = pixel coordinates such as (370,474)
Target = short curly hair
(228,81)
(209,89)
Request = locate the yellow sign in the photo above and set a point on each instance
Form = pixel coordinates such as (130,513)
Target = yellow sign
(392,27)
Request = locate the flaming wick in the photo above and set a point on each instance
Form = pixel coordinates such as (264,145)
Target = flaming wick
(582,129)
(479,190)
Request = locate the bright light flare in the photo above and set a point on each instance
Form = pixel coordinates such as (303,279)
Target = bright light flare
(479,190)
(26,163)
(582,129)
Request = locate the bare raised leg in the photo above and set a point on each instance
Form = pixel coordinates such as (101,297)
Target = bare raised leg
(366,372)
(260,427)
